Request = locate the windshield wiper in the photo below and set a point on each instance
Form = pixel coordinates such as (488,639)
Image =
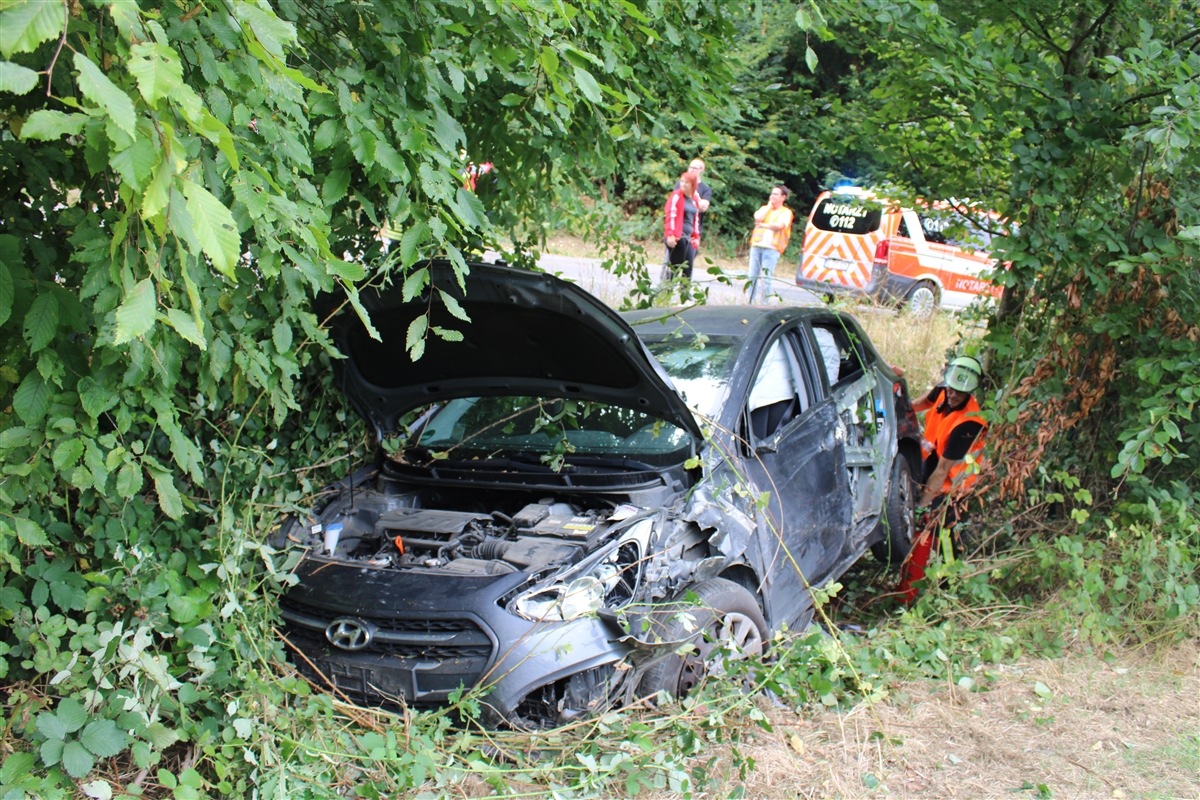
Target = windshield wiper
(621,462)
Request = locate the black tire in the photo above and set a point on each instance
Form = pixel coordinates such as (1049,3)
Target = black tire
(923,299)
(724,617)
(898,522)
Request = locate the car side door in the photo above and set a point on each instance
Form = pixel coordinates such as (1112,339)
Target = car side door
(794,457)
(853,385)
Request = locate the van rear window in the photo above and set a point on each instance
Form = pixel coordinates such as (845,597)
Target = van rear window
(841,215)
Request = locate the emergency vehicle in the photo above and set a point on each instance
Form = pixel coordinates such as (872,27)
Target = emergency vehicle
(858,243)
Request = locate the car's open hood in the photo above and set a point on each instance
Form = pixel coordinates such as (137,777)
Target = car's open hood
(530,334)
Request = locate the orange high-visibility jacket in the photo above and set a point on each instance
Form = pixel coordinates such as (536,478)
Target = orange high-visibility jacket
(938,427)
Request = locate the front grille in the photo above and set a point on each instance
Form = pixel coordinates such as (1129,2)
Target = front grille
(417,661)
(309,638)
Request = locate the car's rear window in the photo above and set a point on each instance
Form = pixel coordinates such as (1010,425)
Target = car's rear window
(699,368)
(847,215)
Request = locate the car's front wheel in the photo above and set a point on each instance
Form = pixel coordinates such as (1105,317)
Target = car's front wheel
(898,521)
(724,622)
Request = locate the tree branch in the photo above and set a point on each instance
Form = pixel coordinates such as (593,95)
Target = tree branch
(62,40)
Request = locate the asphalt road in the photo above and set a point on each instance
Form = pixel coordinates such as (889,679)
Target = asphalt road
(587,273)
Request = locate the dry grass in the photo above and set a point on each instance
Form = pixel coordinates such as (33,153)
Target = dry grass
(1126,726)
(918,347)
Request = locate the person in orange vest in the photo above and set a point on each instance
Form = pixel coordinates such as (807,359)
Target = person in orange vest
(769,238)
(952,440)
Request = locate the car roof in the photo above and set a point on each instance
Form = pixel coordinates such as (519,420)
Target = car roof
(733,321)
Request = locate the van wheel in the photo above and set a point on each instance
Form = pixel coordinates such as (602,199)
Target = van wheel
(898,521)
(724,624)
(923,299)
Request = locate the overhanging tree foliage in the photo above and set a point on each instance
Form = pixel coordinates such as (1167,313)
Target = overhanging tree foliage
(1077,120)
(178,182)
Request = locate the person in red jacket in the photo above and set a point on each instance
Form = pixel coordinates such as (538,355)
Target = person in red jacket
(681,225)
(952,442)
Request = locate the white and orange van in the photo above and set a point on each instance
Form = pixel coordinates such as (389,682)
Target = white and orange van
(858,243)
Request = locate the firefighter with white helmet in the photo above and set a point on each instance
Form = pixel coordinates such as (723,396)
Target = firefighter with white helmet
(952,442)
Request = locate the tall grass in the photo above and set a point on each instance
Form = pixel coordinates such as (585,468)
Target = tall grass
(918,347)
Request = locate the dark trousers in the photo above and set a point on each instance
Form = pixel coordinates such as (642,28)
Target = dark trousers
(681,258)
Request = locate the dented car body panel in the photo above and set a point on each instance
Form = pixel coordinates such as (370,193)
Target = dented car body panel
(537,514)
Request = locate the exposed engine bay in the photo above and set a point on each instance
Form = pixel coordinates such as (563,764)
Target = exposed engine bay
(390,531)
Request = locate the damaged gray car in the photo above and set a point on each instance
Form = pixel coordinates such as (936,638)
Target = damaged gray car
(568,498)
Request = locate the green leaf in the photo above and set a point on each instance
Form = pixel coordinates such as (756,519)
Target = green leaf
(25,24)
(50,726)
(411,241)
(45,126)
(449,334)
(135,317)
(810,59)
(215,131)
(16,766)
(31,401)
(159,190)
(16,79)
(414,341)
(51,751)
(453,307)
(415,283)
(7,293)
(334,187)
(96,87)
(71,714)
(169,499)
(184,608)
(446,129)
(349,271)
(587,84)
(186,326)
(470,208)
(214,227)
(136,162)
(363,316)
(67,454)
(67,596)
(391,160)
(272,32)
(549,61)
(281,336)
(16,436)
(41,323)
(157,70)
(95,398)
(129,480)
(103,738)
(76,760)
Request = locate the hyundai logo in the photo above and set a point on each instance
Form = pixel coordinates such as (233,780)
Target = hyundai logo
(348,633)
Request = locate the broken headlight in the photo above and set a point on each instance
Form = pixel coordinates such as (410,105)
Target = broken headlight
(607,579)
